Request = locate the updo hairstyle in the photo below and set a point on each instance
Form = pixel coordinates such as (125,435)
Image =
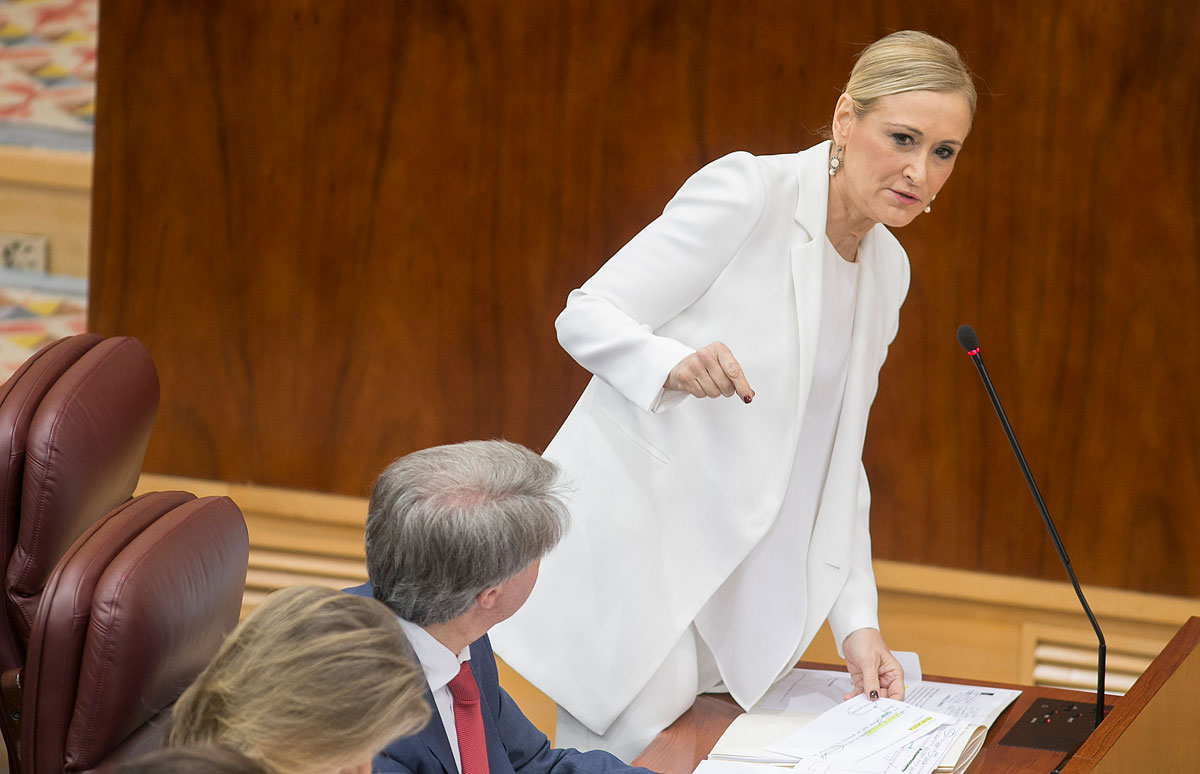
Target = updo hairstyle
(908,61)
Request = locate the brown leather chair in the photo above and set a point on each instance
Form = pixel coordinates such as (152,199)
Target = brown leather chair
(74,423)
(130,615)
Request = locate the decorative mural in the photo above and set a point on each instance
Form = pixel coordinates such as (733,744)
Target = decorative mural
(48,73)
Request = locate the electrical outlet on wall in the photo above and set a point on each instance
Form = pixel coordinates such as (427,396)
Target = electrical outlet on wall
(24,252)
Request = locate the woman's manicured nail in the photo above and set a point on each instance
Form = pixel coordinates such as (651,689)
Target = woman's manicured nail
(747,399)
(874,695)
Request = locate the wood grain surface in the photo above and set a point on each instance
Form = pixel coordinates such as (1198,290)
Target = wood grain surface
(1153,727)
(344,230)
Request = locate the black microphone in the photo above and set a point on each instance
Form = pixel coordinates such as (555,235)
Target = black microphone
(970,343)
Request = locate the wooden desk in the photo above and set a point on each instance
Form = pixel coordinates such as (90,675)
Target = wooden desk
(686,742)
(1151,728)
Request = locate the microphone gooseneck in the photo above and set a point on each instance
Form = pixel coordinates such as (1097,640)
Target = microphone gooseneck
(970,342)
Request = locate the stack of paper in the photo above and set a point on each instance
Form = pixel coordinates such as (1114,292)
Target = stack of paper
(804,724)
(877,737)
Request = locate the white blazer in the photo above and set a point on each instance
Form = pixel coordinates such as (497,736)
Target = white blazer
(669,493)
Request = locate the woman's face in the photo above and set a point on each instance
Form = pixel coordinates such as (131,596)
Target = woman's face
(900,154)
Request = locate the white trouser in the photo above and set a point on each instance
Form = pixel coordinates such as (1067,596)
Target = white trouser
(688,671)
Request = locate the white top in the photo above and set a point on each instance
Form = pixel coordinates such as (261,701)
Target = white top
(750,650)
(440,666)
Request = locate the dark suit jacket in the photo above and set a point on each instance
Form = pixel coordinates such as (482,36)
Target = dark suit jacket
(514,744)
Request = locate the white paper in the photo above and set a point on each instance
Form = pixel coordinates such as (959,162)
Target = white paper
(964,749)
(974,703)
(798,719)
(934,751)
(911,664)
(748,735)
(711,766)
(807,690)
(921,755)
(815,691)
(924,754)
(857,729)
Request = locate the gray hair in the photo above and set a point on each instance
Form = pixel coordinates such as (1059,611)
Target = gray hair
(445,523)
(908,61)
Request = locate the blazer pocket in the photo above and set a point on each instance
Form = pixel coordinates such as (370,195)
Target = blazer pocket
(636,438)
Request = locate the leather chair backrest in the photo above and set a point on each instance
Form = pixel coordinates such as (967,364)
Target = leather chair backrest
(20,397)
(132,613)
(74,425)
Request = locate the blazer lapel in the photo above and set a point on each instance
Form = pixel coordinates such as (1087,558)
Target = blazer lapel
(498,762)
(434,737)
(434,734)
(865,340)
(812,200)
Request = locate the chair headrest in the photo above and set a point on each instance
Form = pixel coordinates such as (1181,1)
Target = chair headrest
(83,446)
(131,615)
(20,397)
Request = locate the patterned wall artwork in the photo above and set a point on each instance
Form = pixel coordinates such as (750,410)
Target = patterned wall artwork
(31,318)
(48,73)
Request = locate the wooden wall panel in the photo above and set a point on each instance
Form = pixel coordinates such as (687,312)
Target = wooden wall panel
(344,231)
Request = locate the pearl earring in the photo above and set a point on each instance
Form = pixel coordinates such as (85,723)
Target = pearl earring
(835,161)
(928,207)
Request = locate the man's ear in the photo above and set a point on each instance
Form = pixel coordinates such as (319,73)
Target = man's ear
(486,599)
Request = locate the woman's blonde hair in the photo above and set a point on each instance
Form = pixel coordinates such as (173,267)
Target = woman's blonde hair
(312,680)
(908,61)
(192,759)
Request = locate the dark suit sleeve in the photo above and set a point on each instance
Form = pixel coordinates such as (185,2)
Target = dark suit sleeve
(530,752)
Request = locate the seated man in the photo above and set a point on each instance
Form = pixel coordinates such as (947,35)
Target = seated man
(454,536)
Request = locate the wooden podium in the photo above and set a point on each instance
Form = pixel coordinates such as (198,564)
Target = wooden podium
(1154,727)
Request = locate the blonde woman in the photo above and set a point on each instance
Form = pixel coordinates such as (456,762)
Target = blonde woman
(720,506)
(313,681)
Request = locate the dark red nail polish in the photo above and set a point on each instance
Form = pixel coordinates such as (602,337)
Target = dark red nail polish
(874,695)
(746,399)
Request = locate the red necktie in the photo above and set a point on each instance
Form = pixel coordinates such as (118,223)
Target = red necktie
(468,722)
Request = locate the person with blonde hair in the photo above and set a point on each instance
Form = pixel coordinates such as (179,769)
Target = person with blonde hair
(713,537)
(312,681)
(192,759)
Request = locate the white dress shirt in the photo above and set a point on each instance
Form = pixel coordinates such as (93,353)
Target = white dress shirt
(440,665)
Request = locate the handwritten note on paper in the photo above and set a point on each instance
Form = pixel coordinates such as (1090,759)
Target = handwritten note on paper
(858,729)
(818,690)
(942,728)
(978,704)
(921,755)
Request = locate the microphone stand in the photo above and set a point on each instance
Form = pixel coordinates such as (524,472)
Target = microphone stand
(970,343)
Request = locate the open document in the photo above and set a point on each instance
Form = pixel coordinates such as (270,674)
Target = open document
(881,736)
(813,691)
(804,724)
